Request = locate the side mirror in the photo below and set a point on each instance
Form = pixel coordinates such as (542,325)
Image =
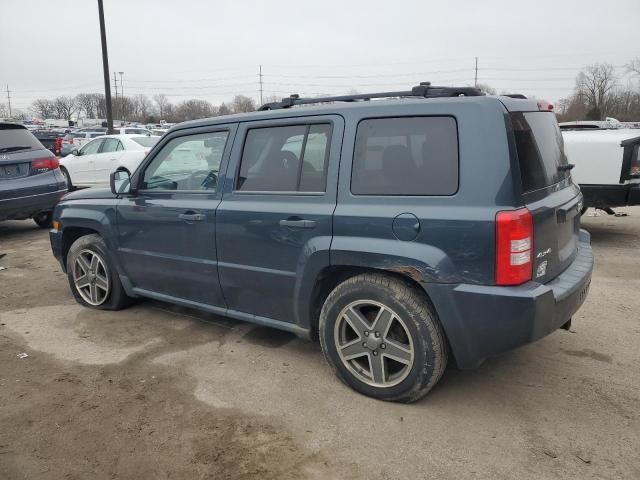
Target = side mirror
(75,152)
(120,182)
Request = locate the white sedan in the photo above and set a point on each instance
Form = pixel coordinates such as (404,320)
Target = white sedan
(94,162)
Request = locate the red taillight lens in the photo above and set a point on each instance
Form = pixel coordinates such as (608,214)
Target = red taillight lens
(44,164)
(545,106)
(514,246)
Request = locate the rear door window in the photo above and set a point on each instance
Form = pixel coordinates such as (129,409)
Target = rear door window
(110,145)
(540,149)
(291,158)
(406,156)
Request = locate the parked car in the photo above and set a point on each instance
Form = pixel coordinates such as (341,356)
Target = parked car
(607,165)
(132,131)
(93,163)
(76,140)
(30,181)
(401,232)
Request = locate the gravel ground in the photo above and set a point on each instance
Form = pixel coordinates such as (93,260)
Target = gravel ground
(156,391)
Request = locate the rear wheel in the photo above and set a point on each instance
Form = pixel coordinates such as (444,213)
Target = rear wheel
(92,275)
(382,338)
(43,219)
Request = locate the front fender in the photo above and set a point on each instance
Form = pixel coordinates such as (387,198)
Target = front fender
(98,215)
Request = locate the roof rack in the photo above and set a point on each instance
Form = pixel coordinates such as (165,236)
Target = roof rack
(424,90)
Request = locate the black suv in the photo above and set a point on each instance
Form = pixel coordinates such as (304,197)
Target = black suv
(435,222)
(30,180)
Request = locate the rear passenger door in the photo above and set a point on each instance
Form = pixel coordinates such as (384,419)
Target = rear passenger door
(274,221)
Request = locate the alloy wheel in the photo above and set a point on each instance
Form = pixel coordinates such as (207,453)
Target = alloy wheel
(91,277)
(374,343)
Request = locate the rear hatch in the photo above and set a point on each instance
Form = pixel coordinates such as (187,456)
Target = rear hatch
(548,192)
(22,157)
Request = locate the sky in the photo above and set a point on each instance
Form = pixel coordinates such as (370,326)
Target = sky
(213,49)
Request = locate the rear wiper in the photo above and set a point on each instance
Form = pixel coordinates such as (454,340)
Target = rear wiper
(565,168)
(13,149)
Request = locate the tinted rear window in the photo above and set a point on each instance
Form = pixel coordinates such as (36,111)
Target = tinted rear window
(146,141)
(406,156)
(540,149)
(11,137)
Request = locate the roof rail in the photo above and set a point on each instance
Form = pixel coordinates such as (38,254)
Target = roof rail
(424,90)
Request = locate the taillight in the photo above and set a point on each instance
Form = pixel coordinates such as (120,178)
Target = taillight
(44,164)
(545,106)
(514,245)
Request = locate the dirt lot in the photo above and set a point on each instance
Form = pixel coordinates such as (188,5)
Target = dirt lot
(160,392)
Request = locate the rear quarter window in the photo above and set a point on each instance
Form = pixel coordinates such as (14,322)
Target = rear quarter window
(406,156)
(540,149)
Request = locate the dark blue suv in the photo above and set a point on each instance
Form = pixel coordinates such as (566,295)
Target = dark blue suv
(400,231)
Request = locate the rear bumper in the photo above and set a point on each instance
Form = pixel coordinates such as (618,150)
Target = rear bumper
(618,195)
(28,206)
(484,321)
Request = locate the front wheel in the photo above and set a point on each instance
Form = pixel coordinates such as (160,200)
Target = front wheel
(382,338)
(67,179)
(92,275)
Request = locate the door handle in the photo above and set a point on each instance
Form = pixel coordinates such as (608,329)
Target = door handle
(297,223)
(192,217)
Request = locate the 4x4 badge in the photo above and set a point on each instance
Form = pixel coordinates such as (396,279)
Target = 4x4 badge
(543,253)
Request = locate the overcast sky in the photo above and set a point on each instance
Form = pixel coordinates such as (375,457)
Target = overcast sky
(213,49)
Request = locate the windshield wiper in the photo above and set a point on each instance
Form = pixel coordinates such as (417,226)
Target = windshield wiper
(13,149)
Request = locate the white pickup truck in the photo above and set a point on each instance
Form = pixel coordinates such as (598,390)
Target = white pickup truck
(607,165)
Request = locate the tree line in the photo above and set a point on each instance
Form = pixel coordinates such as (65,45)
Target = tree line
(600,92)
(137,108)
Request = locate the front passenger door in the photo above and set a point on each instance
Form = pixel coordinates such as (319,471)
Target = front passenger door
(167,240)
(83,166)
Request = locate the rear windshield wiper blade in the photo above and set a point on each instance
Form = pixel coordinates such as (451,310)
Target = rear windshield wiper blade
(565,168)
(13,149)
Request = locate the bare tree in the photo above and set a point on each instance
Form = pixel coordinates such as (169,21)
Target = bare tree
(162,101)
(634,66)
(223,109)
(65,107)
(488,89)
(191,109)
(141,107)
(44,108)
(242,103)
(595,82)
(4,110)
(86,103)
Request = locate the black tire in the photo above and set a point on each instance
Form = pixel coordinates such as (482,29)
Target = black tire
(43,219)
(419,321)
(115,297)
(67,178)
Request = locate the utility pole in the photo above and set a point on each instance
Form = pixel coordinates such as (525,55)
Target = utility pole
(105,68)
(476,80)
(122,96)
(260,75)
(9,99)
(115,87)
